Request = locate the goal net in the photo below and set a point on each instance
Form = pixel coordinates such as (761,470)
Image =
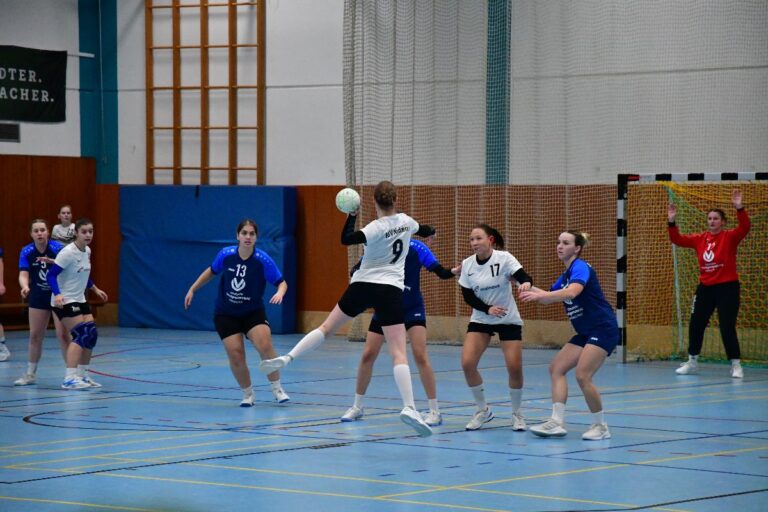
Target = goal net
(661,279)
(522,114)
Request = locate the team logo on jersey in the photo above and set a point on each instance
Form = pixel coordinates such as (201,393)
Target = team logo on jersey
(42,275)
(565,285)
(709,253)
(238,284)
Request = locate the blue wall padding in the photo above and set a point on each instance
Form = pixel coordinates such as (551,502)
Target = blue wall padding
(172,233)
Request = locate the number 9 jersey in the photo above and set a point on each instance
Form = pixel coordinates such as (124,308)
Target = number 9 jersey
(490,282)
(386,246)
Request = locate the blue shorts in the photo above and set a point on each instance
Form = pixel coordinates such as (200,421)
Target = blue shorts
(607,340)
(40,301)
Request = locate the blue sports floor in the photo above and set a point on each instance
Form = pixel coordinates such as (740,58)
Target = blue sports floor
(165,433)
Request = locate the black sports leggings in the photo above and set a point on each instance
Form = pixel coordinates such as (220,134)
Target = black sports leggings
(724,297)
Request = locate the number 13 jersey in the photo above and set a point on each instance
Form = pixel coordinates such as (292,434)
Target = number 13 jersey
(386,246)
(491,284)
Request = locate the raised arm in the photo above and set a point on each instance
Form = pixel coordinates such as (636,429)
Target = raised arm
(348,234)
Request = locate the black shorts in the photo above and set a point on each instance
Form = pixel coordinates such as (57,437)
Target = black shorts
(385,299)
(72,309)
(227,325)
(507,332)
(375,326)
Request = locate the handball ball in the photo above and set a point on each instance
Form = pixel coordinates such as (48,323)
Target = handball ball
(347,200)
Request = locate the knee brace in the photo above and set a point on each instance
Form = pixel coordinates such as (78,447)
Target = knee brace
(85,335)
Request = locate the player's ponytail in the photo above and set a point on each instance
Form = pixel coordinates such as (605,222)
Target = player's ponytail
(580,239)
(498,240)
(385,194)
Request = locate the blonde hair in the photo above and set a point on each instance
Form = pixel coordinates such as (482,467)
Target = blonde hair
(581,239)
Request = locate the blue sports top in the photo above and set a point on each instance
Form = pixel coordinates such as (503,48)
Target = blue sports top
(38,270)
(418,255)
(242,286)
(589,311)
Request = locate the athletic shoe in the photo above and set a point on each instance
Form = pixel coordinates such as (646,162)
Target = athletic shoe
(551,428)
(74,383)
(25,380)
(280,395)
(433,418)
(737,372)
(687,368)
(90,382)
(271,365)
(518,422)
(5,354)
(248,400)
(480,418)
(352,414)
(413,419)
(597,432)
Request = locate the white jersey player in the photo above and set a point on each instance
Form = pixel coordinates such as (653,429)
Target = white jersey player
(378,285)
(486,284)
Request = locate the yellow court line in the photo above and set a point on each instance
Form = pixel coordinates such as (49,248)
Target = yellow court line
(300,491)
(313,475)
(77,504)
(88,447)
(158,460)
(78,439)
(574,500)
(147,450)
(708,454)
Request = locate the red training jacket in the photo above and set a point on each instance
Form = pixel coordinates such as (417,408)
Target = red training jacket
(716,253)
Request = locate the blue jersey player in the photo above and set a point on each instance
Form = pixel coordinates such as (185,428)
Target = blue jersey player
(34,262)
(419,255)
(239,307)
(597,334)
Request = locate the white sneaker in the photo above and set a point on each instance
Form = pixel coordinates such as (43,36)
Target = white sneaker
(688,368)
(268,366)
(737,372)
(5,354)
(352,414)
(74,383)
(92,383)
(518,422)
(481,417)
(550,428)
(413,419)
(248,400)
(433,418)
(597,432)
(280,395)
(25,380)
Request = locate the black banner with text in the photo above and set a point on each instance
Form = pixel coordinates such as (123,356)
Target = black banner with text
(32,85)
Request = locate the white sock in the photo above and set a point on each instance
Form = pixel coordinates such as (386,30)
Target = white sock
(247,391)
(598,417)
(81,369)
(479,393)
(275,384)
(358,401)
(31,368)
(403,380)
(517,398)
(309,342)
(2,340)
(735,362)
(693,359)
(71,372)
(558,412)
(433,405)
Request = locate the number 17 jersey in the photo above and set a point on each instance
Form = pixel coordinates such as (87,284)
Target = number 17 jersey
(491,284)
